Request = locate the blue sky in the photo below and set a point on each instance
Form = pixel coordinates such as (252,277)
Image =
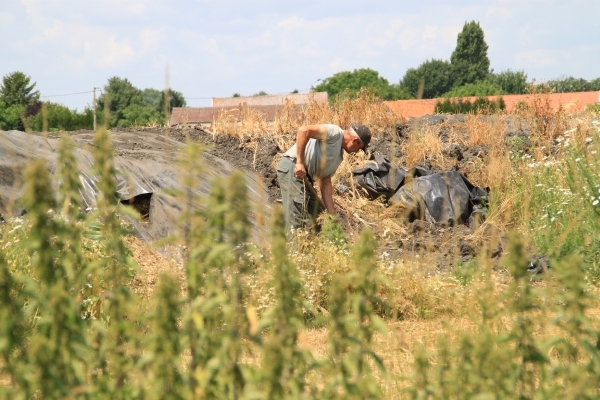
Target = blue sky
(216,48)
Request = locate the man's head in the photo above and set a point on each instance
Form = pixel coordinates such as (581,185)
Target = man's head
(360,136)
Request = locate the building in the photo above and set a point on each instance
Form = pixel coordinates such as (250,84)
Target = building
(270,100)
(269,106)
(205,116)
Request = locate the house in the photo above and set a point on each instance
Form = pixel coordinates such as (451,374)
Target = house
(270,100)
(205,116)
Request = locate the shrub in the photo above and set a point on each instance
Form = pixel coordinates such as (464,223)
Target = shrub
(350,83)
(481,88)
(595,108)
(11,118)
(461,106)
(511,82)
(58,117)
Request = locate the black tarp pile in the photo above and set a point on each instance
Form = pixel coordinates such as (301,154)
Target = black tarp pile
(444,197)
(143,174)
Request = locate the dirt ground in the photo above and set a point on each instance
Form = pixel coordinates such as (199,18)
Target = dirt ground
(439,245)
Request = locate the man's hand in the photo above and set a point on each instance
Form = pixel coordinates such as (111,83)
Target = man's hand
(299,171)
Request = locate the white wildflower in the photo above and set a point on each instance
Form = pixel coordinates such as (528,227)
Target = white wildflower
(595,202)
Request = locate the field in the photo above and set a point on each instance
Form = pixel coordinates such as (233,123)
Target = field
(373,308)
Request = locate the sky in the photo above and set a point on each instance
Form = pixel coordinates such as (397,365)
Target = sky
(213,48)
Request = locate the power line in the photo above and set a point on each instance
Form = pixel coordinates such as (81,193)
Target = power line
(187,98)
(68,94)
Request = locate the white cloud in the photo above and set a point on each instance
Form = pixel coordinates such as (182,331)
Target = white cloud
(150,40)
(225,47)
(338,64)
(408,38)
(108,53)
(6,18)
(430,34)
(497,12)
(292,23)
(535,58)
(133,7)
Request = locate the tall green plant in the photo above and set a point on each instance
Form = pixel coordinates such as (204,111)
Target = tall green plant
(116,341)
(215,234)
(285,366)
(12,333)
(162,361)
(352,308)
(57,347)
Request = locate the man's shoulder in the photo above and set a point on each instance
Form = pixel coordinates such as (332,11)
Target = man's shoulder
(333,131)
(332,126)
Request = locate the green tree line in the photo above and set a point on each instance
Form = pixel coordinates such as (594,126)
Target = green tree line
(21,108)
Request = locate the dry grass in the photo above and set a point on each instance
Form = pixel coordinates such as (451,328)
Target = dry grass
(432,305)
(423,144)
(152,262)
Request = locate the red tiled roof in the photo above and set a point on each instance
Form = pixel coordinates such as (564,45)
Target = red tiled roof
(197,115)
(572,102)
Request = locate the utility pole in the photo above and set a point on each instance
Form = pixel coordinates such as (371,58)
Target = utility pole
(94,109)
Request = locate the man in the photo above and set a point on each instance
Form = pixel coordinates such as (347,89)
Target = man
(316,156)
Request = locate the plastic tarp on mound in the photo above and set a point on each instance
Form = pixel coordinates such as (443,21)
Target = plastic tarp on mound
(145,165)
(444,197)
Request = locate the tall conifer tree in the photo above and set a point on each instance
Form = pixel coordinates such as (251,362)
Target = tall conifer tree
(469,60)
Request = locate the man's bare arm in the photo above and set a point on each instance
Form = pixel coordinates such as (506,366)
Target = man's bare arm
(327,195)
(306,132)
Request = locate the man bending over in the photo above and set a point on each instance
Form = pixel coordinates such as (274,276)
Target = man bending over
(316,156)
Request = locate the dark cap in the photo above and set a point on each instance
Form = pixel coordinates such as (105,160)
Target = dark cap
(363,133)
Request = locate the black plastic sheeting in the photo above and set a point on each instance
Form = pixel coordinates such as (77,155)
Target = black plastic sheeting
(444,197)
(145,165)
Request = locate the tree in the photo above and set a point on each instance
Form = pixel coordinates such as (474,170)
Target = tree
(151,97)
(261,93)
(357,79)
(17,90)
(571,84)
(60,117)
(511,82)
(120,94)
(11,118)
(176,99)
(481,88)
(140,115)
(469,59)
(435,76)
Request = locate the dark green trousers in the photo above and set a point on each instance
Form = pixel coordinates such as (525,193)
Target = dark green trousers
(300,206)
